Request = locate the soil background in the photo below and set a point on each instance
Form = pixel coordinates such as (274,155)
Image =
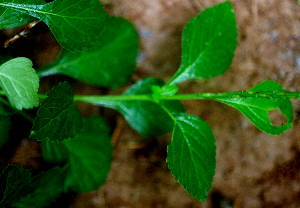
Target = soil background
(254,169)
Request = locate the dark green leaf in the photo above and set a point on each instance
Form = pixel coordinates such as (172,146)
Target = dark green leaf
(145,116)
(5,126)
(89,156)
(208,44)
(58,118)
(20,83)
(54,153)
(75,24)
(47,187)
(14,184)
(11,18)
(256,109)
(192,154)
(108,65)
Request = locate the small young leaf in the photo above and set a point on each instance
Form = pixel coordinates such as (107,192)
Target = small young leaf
(256,109)
(14,184)
(20,83)
(145,116)
(192,154)
(10,18)
(75,24)
(99,66)
(58,118)
(5,126)
(208,44)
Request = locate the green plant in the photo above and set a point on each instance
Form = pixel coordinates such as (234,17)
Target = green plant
(79,148)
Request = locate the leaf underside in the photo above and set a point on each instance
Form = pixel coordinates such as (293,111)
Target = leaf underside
(20,83)
(257,108)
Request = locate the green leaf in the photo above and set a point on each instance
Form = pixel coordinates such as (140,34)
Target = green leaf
(10,18)
(144,115)
(47,187)
(99,66)
(168,90)
(5,126)
(14,184)
(54,153)
(58,118)
(208,44)
(75,24)
(20,83)
(192,154)
(256,109)
(89,156)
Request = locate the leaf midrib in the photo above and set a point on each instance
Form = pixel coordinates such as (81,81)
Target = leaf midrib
(16,7)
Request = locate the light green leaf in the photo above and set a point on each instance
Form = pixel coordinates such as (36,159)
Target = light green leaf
(76,24)
(257,108)
(20,83)
(208,44)
(58,118)
(192,154)
(108,65)
(10,18)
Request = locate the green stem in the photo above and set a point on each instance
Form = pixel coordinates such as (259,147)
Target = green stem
(47,72)
(114,99)
(241,94)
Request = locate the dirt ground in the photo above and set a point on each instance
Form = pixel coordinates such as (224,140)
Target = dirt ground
(254,170)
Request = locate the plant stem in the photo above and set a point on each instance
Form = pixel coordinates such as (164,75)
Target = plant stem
(240,94)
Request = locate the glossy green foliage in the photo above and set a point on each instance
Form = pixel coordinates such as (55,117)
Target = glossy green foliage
(192,154)
(58,118)
(75,24)
(257,108)
(145,115)
(108,65)
(20,83)
(208,44)
(88,156)
(5,126)
(11,18)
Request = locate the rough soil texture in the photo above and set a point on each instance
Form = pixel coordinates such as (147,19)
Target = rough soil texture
(254,169)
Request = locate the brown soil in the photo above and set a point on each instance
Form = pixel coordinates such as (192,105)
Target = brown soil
(253,169)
